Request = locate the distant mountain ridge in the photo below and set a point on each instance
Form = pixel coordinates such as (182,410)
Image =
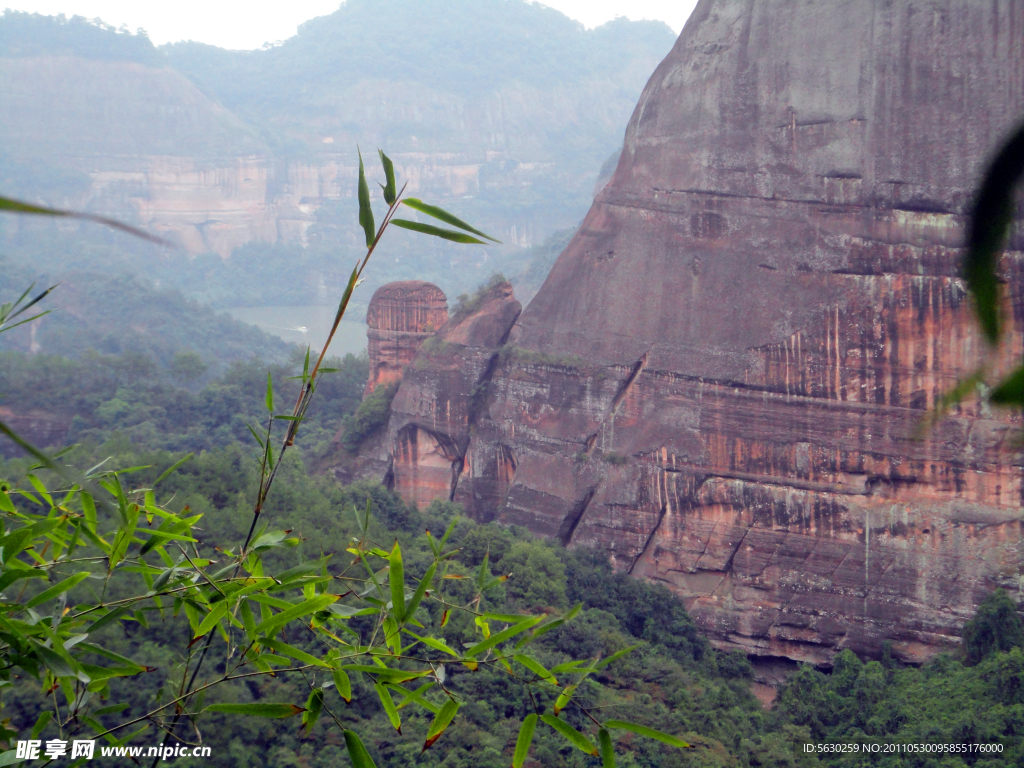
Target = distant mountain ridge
(503,108)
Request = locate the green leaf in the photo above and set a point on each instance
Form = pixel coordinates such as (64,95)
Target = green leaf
(173,468)
(314,705)
(10,757)
(421,590)
(615,657)
(390,188)
(357,752)
(536,667)
(435,643)
(416,697)
(604,741)
(270,393)
(343,684)
(210,620)
(304,608)
(642,730)
(441,721)
(564,697)
(443,215)
(54,662)
(571,735)
(365,211)
(41,722)
(386,674)
(279,711)
(16,206)
(430,229)
(504,635)
(1010,390)
(990,221)
(389,706)
(57,589)
(289,650)
(525,739)
(108,618)
(396,578)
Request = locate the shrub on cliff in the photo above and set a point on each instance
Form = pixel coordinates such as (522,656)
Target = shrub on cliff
(371,415)
(995,627)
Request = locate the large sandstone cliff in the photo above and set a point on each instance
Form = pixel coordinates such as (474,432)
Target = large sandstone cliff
(723,379)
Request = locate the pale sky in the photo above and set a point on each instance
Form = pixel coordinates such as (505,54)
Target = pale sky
(242,24)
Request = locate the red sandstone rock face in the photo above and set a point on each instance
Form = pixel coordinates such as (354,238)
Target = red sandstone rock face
(723,379)
(401,316)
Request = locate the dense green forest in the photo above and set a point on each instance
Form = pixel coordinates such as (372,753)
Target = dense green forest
(130,413)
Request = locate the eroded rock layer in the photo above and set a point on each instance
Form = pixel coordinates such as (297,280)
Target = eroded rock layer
(725,378)
(400,317)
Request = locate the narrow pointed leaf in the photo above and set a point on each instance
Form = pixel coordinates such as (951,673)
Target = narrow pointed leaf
(16,206)
(990,221)
(270,393)
(421,590)
(57,589)
(563,698)
(642,730)
(536,667)
(357,752)
(389,706)
(390,188)
(289,650)
(304,608)
(502,636)
(343,684)
(615,657)
(442,215)
(434,643)
(314,705)
(257,710)
(444,234)
(525,739)
(604,741)
(441,721)
(396,579)
(173,468)
(365,211)
(571,735)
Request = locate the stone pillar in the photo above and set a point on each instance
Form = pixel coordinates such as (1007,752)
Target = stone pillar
(401,316)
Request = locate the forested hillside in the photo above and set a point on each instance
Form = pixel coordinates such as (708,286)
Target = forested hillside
(128,413)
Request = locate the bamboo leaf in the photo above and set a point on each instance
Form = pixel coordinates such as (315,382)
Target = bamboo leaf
(615,657)
(390,187)
(421,590)
(990,221)
(314,705)
(1010,390)
(279,711)
(430,229)
(570,734)
(441,721)
(173,468)
(604,741)
(343,684)
(365,210)
(16,206)
(396,579)
(643,730)
(389,706)
(435,643)
(357,752)
(443,215)
(57,589)
(525,739)
(304,608)
(563,698)
(289,650)
(536,667)
(211,619)
(502,636)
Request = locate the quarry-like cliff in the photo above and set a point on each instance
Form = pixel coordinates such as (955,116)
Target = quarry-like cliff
(724,378)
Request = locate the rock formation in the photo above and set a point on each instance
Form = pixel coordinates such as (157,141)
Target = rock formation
(401,316)
(724,379)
